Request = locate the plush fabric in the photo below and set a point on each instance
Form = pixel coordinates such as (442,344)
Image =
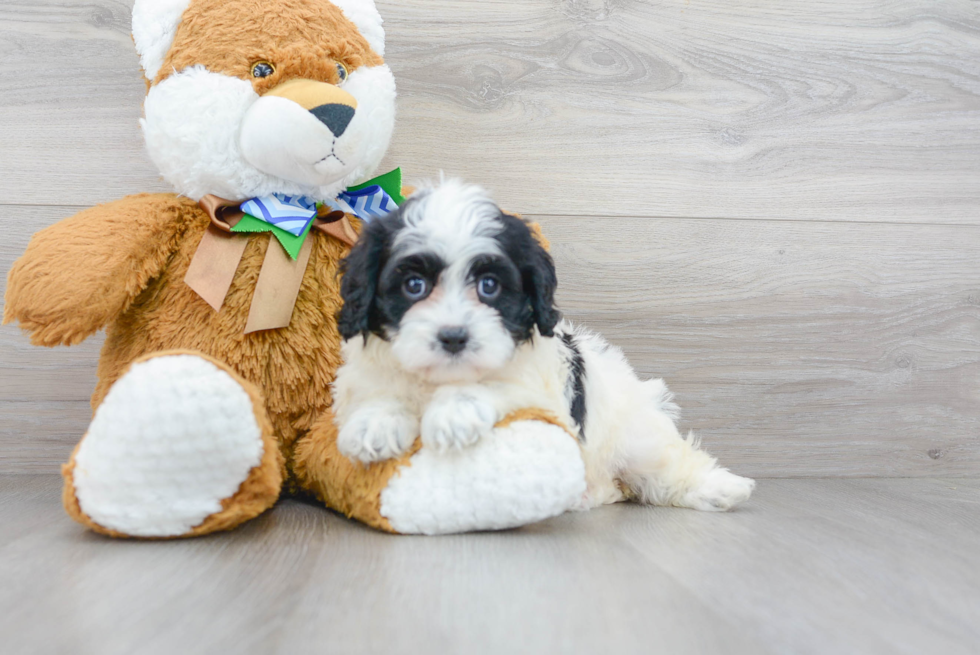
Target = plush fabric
(303,38)
(136,252)
(259,490)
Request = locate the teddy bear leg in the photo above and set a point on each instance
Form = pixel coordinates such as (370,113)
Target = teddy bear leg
(180,446)
(528,469)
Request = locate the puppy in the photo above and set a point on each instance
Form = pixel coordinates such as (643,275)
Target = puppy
(449,325)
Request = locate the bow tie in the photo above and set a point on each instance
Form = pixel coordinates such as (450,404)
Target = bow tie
(289,219)
(293,215)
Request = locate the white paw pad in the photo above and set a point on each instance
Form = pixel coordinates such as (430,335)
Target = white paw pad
(174,437)
(720,491)
(375,434)
(456,422)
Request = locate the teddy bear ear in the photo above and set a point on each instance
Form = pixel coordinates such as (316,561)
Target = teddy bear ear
(154,26)
(368,21)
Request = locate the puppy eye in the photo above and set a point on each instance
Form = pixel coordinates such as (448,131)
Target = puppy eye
(488,287)
(341,72)
(262,69)
(415,287)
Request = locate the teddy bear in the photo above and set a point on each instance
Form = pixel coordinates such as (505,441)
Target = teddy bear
(219,301)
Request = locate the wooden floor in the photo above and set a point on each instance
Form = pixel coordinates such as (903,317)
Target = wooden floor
(809,566)
(773,205)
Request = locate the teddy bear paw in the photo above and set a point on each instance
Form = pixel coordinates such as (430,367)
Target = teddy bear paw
(174,437)
(519,474)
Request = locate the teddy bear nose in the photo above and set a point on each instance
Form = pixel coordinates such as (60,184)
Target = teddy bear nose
(335,116)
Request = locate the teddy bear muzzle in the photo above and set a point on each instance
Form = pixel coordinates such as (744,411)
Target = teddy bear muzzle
(294,129)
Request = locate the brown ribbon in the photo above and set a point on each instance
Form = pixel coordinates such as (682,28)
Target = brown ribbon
(212,270)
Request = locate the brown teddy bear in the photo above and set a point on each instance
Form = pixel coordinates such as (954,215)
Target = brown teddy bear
(219,302)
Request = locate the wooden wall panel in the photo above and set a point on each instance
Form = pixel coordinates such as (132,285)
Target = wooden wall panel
(825,110)
(775,206)
(795,348)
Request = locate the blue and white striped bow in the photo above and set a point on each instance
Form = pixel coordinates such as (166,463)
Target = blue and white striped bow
(367,203)
(290,213)
(294,213)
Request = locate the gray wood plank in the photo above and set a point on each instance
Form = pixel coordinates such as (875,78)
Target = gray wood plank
(827,110)
(808,566)
(834,566)
(38,436)
(28,373)
(302,578)
(795,348)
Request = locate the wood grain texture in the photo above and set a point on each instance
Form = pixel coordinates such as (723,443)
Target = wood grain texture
(807,566)
(829,110)
(795,348)
(38,436)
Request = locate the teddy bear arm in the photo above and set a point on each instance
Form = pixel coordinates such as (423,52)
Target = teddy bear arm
(79,273)
(425,492)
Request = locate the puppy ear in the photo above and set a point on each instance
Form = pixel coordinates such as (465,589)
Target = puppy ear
(537,272)
(540,280)
(360,271)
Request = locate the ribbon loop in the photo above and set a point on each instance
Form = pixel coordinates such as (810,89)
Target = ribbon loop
(289,213)
(368,203)
(289,219)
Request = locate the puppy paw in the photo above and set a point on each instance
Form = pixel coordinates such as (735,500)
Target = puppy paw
(374,434)
(720,491)
(456,420)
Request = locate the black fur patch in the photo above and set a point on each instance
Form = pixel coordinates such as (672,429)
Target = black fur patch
(391,303)
(538,279)
(361,270)
(513,304)
(576,365)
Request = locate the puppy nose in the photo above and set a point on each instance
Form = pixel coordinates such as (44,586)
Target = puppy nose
(453,339)
(335,116)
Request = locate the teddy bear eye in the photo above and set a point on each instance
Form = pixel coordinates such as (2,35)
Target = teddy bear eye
(341,72)
(262,69)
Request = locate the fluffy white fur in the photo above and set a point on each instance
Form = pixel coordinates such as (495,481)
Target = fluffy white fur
(174,427)
(390,389)
(154,27)
(211,133)
(457,225)
(525,472)
(197,122)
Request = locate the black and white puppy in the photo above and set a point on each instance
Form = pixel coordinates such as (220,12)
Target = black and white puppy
(449,325)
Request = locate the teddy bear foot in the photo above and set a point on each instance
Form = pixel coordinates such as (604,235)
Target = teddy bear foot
(520,473)
(180,446)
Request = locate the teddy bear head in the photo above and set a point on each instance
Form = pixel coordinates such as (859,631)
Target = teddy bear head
(248,98)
